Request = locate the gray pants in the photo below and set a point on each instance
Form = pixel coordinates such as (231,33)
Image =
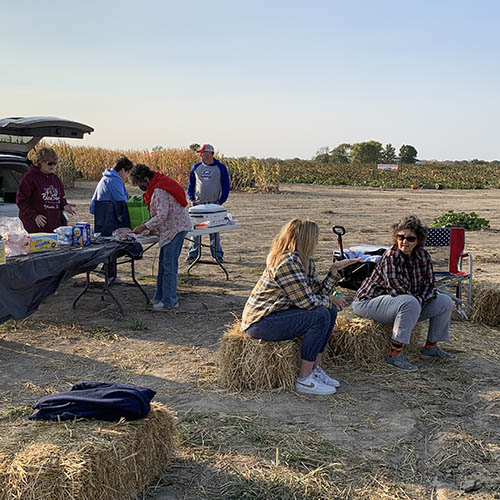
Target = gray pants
(403,311)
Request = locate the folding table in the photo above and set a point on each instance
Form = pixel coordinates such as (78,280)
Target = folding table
(210,230)
(26,280)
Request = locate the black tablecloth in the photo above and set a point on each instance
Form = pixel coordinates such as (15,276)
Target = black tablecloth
(26,280)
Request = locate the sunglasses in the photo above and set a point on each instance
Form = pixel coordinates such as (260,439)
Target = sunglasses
(51,163)
(409,239)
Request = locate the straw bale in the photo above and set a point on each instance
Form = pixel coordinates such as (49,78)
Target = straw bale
(486,304)
(85,459)
(258,365)
(363,340)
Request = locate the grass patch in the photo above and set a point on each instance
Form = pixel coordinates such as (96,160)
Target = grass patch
(16,413)
(187,280)
(102,332)
(139,326)
(12,326)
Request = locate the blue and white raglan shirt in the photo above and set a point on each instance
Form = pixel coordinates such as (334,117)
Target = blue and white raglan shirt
(208,183)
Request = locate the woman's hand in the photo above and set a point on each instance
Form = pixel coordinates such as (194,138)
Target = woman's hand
(68,208)
(40,220)
(139,229)
(338,302)
(340,264)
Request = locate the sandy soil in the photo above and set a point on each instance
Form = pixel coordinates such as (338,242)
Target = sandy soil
(433,434)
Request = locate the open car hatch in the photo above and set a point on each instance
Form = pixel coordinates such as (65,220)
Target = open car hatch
(19,135)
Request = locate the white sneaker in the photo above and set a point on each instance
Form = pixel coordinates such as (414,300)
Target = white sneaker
(311,385)
(321,375)
(159,306)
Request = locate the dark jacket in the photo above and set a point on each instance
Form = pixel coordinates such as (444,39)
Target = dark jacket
(110,215)
(101,400)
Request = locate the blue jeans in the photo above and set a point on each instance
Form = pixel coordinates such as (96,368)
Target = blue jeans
(195,244)
(168,266)
(315,324)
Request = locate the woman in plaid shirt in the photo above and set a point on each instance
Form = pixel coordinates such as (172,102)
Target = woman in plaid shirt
(401,292)
(289,300)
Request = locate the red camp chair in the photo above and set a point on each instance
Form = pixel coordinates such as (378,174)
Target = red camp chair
(455,276)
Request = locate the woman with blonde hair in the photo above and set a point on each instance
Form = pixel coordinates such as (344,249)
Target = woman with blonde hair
(289,300)
(40,195)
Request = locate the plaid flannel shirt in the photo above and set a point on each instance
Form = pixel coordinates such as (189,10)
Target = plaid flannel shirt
(398,274)
(286,286)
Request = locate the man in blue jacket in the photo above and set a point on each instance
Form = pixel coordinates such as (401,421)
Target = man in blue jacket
(208,183)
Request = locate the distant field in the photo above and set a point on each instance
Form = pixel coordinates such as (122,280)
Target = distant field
(447,174)
(265,175)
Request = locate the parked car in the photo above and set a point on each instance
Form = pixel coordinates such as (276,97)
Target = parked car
(18,136)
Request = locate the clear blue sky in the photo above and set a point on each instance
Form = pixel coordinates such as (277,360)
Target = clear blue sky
(262,78)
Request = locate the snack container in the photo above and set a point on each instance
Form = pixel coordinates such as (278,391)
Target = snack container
(40,242)
(64,235)
(2,252)
(81,234)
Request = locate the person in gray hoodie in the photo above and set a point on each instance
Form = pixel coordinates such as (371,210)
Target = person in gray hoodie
(208,183)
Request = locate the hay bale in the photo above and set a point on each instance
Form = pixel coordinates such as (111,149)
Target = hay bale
(363,340)
(486,304)
(257,365)
(86,459)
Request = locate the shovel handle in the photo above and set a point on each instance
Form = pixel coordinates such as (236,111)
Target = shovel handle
(339,230)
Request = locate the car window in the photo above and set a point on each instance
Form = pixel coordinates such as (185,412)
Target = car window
(14,139)
(17,175)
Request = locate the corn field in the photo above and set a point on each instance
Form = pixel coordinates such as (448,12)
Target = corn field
(265,175)
(89,162)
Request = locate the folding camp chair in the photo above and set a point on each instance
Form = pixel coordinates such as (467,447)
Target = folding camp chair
(455,276)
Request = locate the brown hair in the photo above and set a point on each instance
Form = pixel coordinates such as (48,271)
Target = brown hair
(123,163)
(139,173)
(45,154)
(412,223)
(299,235)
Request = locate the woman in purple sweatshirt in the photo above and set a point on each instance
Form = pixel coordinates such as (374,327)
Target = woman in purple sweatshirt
(40,195)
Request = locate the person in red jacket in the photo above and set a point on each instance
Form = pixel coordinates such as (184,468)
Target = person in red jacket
(40,195)
(166,201)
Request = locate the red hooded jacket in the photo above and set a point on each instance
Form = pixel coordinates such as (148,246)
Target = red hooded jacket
(162,181)
(40,194)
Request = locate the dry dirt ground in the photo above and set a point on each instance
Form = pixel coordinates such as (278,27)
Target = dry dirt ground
(433,434)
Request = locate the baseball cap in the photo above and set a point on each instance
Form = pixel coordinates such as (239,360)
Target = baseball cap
(206,148)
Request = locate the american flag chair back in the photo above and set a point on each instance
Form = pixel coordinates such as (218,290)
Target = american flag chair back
(455,276)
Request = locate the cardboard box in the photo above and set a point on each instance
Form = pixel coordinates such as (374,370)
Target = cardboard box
(39,242)
(81,234)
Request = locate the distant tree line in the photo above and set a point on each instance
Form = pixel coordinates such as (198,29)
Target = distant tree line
(366,152)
